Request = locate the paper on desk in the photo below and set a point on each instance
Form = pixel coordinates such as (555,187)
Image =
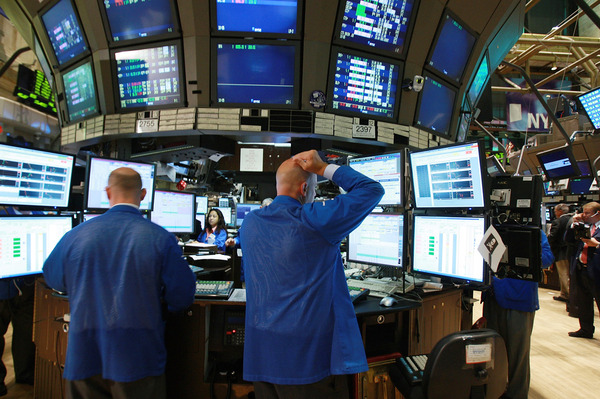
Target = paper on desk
(197,244)
(238,295)
(492,248)
(210,257)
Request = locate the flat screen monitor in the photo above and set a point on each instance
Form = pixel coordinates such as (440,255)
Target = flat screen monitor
(80,91)
(482,74)
(378,240)
(174,210)
(388,170)
(523,256)
(464,123)
(227,215)
(558,163)
(581,185)
(27,241)
(452,48)
(436,106)
(64,31)
(258,18)
(154,20)
(34,90)
(449,176)
(446,246)
(149,76)
(257,73)
(494,167)
(30,177)
(551,189)
(242,210)
(201,204)
(98,170)
(378,26)
(363,85)
(590,102)
(584,167)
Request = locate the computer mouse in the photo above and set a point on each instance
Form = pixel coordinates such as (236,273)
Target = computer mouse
(388,301)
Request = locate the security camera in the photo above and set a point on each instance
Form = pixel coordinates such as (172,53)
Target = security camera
(417,84)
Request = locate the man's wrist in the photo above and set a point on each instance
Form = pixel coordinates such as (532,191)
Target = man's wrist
(330,170)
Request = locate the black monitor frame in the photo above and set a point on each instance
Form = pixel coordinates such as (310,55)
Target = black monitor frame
(447,134)
(568,152)
(67,116)
(188,193)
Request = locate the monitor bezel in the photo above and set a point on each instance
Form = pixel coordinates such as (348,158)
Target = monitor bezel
(569,152)
(578,98)
(78,64)
(115,81)
(402,174)
(193,224)
(476,99)
(448,134)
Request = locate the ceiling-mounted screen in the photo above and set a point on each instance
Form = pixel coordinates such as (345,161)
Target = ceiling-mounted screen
(436,106)
(80,91)
(584,167)
(581,185)
(482,74)
(379,26)
(378,240)
(257,73)
(174,211)
(387,169)
(149,76)
(64,31)
(30,177)
(590,102)
(361,85)
(558,163)
(34,90)
(154,20)
(452,48)
(257,18)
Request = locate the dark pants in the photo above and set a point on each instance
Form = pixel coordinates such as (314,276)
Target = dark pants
(97,387)
(19,311)
(587,292)
(332,387)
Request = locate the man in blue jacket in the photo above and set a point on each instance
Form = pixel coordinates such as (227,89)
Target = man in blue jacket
(119,271)
(302,336)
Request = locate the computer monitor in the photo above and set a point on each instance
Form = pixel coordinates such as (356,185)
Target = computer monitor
(494,167)
(98,170)
(201,218)
(242,210)
(257,73)
(581,185)
(482,75)
(363,85)
(90,216)
(590,102)
(64,30)
(80,91)
(558,163)
(154,20)
(550,189)
(523,257)
(436,106)
(584,167)
(378,27)
(447,246)
(201,204)
(149,76)
(227,215)
(387,169)
(27,241)
(34,90)
(378,240)
(463,126)
(449,176)
(174,210)
(278,19)
(30,177)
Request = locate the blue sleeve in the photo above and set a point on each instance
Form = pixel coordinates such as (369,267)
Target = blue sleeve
(547,256)
(178,279)
(54,267)
(220,239)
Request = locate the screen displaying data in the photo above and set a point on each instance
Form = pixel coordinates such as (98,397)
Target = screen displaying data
(590,102)
(34,90)
(386,169)
(378,240)
(64,31)
(379,24)
(80,92)
(447,246)
(558,163)
(581,185)
(152,18)
(242,210)
(30,177)
(149,77)
(364,85)
(27,241)
(201,204)
(448,177)
(436,106)
(257,16)
(227,214)
(481,77)
(97,179)
(174,211)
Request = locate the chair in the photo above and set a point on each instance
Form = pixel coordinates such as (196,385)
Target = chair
(466,364)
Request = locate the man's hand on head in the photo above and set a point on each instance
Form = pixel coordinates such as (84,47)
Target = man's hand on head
(310,161)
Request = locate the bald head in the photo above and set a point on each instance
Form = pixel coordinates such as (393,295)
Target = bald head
(295,182)
(125,186)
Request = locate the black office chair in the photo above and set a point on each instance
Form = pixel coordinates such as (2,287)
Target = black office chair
(463,365)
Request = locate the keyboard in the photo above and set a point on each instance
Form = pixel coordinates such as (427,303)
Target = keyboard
(381,288)
(358,294)
(213,289)
(412,367)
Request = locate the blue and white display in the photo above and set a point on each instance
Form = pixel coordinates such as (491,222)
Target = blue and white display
(378,240)
(387,169)
(590,102)
(175,211)
(152,18)
(257,16)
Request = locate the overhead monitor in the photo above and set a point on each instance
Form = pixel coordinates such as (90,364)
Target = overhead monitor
(34,89)
(464,123)
(80,91)
(449,176)
(174,210)
(64,31)
(435,106)
(242,210)
(98,170)
(482,74)
(558,163)
(154,20)
(446,246)
(227,215)
(378,26)
(257,73)
(281,19)
(452,48)
(581,185)
(551,189)
(30,177)
(387,169)
(378,240)
(363,85)
(27,241)
(584,167)
(201,204)
(149,76)
(590,102)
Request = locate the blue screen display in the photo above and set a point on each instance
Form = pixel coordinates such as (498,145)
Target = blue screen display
(480,79)
(437,104)
(452,49)
(80,92)
(557,164)
(256,74)
(364,86)
(581,185)
(380,24)
(152,17)
(591,104)
(64,31)
(257,16)
(584,167)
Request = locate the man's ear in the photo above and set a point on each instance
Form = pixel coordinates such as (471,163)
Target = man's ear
(143,194)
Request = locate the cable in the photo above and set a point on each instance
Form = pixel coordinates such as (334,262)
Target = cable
(12,59)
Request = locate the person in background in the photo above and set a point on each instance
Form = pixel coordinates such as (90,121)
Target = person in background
(302,337)
(215,231)
(510,309)
(120,272)
(559,249)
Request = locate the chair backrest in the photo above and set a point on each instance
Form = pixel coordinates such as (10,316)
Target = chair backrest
(467,364)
